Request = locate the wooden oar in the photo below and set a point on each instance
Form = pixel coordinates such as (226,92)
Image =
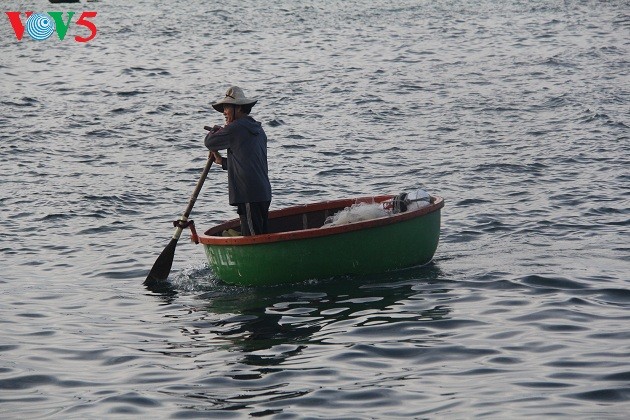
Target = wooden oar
(162,266)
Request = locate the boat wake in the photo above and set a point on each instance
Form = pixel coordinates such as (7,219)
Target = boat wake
(196,278)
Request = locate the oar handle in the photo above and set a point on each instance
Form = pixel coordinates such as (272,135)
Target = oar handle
(193,197)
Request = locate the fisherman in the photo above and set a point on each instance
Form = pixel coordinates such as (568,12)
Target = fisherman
(246,160)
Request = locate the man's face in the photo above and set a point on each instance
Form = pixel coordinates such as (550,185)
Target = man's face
(228,113)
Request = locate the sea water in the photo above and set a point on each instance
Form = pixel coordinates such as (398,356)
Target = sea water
(516,112)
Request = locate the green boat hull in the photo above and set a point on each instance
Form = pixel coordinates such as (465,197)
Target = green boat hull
(314,254)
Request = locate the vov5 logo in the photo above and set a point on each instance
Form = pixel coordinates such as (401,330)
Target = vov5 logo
(40,26)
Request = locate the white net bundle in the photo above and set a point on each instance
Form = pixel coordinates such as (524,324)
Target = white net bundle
(356,213)
(368,211)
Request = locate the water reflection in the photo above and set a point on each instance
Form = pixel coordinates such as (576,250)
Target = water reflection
(290,318)
(267,338)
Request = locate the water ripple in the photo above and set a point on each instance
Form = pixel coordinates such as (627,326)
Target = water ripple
(515,112)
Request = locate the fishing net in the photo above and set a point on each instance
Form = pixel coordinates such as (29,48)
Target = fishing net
(356,213)
(360,212)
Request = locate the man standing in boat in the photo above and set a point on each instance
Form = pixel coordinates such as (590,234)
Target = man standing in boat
(246,160)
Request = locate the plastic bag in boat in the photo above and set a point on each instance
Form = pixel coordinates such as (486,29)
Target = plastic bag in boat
(411,201)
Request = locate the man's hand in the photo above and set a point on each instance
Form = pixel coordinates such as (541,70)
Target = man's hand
(212,130)
(217,157)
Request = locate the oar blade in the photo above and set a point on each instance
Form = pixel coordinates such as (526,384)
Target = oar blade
(162,266)
(156,280)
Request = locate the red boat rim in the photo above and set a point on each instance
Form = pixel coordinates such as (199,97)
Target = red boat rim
(208,237)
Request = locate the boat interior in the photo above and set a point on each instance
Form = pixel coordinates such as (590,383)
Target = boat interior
(282,221)
(297,218)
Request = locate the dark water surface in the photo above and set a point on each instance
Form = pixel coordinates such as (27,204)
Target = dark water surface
(517,113)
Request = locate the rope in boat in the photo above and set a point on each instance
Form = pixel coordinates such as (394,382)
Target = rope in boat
(188,224)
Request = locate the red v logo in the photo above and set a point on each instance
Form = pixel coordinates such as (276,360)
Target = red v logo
(16,22)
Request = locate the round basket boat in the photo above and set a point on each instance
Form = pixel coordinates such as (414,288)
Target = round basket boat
(301,247)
